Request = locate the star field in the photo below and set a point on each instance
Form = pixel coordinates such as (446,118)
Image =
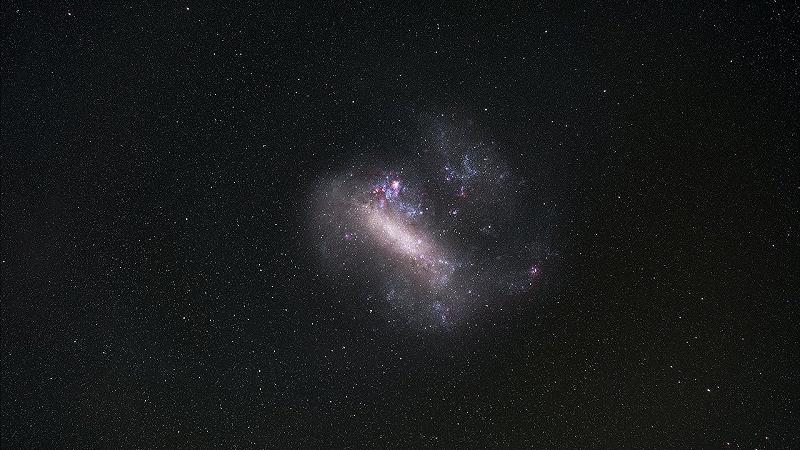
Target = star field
(369,225)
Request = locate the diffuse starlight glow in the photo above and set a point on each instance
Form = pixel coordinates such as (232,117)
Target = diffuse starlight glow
(401,238)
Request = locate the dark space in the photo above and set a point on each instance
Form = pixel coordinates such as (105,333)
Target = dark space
(160,287)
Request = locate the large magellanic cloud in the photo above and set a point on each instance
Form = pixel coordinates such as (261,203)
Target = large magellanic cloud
(441,234)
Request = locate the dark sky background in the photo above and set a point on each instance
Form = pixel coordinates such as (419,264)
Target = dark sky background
(159,289)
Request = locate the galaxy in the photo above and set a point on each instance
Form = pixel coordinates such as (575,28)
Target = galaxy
(437,232)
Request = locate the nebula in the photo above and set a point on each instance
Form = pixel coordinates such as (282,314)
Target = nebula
(439,235)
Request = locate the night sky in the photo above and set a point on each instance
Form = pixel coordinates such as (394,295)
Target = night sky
(358,225)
